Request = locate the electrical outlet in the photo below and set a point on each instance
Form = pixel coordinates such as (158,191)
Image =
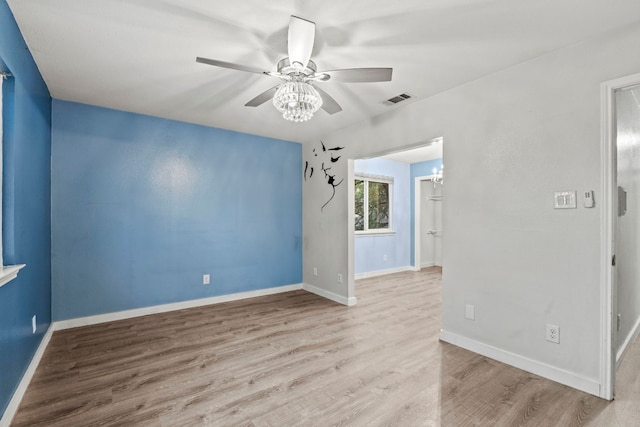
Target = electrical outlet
(315,271)
(384,257)
(339,278)
(553,333)
(206,279)
(470,312)
(34,324)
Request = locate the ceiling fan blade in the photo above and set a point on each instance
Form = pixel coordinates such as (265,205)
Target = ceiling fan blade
(230,65)
(328,103)
(360,75)
(301,37)
(262,98)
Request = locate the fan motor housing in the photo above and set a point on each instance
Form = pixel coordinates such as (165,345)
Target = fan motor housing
(285,67)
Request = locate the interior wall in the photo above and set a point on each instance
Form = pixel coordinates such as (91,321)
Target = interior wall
(142,207)
(512,139)
(370,250)
(25,207)
(628,236)
(419,169)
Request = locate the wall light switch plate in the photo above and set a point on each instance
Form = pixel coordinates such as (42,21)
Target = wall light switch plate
(470,312)
(564,200)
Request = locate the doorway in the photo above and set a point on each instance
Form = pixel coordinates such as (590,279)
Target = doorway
(620,314)
(428,222)
(627,232)
(377,252)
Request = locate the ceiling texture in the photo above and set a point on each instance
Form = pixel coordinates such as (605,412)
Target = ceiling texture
(139,55)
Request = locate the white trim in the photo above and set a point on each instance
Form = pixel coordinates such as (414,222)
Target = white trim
(9,272)
(351,222)
(571,379)
(329,295)
(1,150)
(633,334)
(375,232)
(376,273)
(607,376)
(608,306)
(127,314)
(363,176)
(429,264)
(14,403)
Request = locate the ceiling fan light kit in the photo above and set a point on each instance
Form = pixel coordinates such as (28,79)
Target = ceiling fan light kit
(296,98)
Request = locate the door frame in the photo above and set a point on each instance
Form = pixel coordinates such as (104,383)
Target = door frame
(608,285)
(417,210)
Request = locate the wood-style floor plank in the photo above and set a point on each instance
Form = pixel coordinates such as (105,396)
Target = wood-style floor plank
(298,359)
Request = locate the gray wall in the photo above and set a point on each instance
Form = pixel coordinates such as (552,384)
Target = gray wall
(512,139)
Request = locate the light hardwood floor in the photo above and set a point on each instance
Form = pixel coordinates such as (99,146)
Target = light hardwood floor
(298,359)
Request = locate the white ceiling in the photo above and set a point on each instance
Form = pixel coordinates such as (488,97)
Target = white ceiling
(139,55)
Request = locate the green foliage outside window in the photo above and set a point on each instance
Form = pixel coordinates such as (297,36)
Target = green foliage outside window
(372,205)
(359,205)
(378,205)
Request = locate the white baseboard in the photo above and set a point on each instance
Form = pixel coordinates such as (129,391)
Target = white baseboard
(127,314)
(329,295)
(383,272)
(430,264)
(588,385)
(14,403)
(633,334)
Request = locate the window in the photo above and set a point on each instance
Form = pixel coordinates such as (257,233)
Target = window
(373,196)
(7,272)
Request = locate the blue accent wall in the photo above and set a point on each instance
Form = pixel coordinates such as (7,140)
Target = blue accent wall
(419,169)
(369,250)
(26,206)
(142,207)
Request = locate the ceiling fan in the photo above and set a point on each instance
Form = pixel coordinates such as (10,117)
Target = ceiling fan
(296,98)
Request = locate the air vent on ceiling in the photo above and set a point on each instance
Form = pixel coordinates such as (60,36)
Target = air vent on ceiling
(398,98)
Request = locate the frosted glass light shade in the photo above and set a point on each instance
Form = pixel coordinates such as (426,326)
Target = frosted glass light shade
(297,101)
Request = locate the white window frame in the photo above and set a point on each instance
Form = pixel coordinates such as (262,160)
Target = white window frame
(3,76)
(380,179)
(7,272)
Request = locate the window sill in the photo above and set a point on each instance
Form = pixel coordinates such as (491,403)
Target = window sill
(9,272)
(374,233)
